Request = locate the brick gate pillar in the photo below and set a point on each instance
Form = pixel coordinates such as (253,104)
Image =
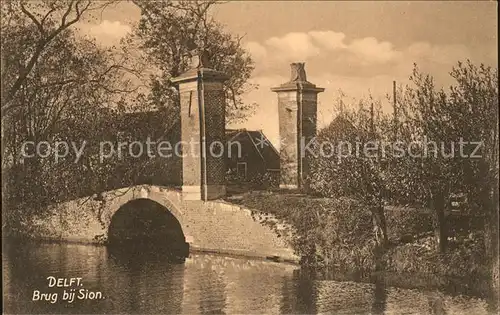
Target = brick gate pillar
(297,109)
(203,118)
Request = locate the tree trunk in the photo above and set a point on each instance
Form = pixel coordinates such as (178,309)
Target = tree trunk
(379,225)
(491,243)
(440,229)
(379,303)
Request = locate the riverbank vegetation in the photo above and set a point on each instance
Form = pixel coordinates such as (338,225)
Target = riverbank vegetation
(337,234)
(436,122)
(360,222)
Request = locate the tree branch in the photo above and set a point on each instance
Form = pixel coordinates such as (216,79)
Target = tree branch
(32,18)
(40,46)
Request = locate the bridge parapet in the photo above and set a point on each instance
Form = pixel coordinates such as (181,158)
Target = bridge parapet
(213,226)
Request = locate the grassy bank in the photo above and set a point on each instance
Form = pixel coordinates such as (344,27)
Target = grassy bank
(338,234)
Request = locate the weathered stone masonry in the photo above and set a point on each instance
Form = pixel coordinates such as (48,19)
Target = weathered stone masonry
(213,226)
(203,119)
(297,108)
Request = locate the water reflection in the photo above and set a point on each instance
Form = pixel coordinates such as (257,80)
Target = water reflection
(137,274)
(213,282)
(293,299)
(379,296)
(203,284)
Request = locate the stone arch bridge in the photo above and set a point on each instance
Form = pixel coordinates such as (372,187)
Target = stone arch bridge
(207,222)
(210,226)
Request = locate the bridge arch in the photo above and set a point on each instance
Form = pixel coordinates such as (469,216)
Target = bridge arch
(144,217)
(168,198)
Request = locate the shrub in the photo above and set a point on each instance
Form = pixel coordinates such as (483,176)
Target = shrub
(329,232)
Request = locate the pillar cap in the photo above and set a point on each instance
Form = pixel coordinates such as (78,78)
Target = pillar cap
(200,67)
(298,81)
(205,74)
(297,86)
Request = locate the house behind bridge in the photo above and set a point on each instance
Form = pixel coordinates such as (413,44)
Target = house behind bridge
(258,163)
(200,118)
(252,161)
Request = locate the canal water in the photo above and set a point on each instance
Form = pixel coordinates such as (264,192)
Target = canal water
(37,279)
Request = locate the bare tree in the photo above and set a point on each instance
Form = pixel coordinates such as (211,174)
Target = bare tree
(50,18)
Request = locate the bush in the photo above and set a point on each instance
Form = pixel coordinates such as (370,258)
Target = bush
(407,224)
(329,232)
(464,259)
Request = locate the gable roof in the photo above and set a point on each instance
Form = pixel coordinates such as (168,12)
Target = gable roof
(161,124)
(261,144)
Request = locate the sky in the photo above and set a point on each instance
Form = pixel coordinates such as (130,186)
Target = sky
(357,47)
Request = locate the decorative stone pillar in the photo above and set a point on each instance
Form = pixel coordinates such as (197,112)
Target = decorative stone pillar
(297,108)
(203,118)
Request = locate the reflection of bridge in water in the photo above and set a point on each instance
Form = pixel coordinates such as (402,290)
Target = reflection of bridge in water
(204,284)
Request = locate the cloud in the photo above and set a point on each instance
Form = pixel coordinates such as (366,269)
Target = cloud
(306,46)
(255,49)
(294,46)
(111,29)
(442,54)
(359,67)
(329,40)
(370,50)
(107,32)
(328,51)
